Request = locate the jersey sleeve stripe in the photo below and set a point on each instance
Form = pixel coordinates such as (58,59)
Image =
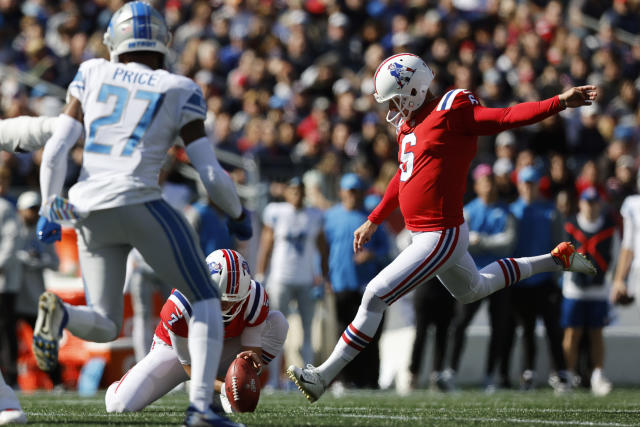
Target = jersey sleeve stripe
(182,300)
(443,100)
(257,298)
(196,101)
(447,100)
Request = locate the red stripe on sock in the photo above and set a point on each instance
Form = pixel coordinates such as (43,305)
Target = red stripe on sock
(504,271)
(358,333)
(351,343)
(515,266)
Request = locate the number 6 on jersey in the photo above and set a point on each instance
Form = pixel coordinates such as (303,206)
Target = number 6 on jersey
(406,157)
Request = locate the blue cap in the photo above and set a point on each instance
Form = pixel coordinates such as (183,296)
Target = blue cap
(370,118)
(276,102)
(351,181)
(296,181)
(528,174)
(590,194)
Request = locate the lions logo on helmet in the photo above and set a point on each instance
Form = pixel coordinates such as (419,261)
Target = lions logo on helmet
(136,26)
(401,73)
(230,273)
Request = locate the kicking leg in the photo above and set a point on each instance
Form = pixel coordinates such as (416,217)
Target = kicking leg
(428,252)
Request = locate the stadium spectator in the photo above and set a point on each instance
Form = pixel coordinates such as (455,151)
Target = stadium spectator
(34,257)
(292,237)
(627,273)
(492,235)
(537,296)
(9,287)
(349,273)
(585,305)
(433,305)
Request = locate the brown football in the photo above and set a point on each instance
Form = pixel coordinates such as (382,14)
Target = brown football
(242,385)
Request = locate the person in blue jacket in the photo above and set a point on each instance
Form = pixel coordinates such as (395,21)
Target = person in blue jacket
(537,296)
(349,273)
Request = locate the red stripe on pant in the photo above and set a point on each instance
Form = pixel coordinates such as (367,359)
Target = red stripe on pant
(434,269)
(507,279)
(417,270)
(351,343)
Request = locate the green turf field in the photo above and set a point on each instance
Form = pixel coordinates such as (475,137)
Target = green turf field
(620,408)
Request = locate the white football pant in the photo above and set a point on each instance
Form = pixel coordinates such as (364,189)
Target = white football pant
(161,371)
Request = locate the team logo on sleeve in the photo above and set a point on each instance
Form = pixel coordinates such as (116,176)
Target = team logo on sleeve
(401,73)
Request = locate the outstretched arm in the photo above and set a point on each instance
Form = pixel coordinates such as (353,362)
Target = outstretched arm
(389,201)
(479,120)
(54,157)
(25,133)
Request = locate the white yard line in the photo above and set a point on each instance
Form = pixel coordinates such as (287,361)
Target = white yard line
(478,419)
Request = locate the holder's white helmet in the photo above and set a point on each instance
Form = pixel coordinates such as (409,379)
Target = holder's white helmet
(136,26)
(230,273)
(404,80)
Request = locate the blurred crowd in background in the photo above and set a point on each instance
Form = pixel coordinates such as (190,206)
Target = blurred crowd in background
(289,86)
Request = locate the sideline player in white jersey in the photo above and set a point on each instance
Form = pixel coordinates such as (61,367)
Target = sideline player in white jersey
(628,267)
(251,330)
(132,110)
(437,137)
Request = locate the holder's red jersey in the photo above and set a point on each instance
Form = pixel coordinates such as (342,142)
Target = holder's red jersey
(176,312)
(437,146)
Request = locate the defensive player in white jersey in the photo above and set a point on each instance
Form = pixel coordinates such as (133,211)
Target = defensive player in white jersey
(628,268)
(130,110)
(251,330)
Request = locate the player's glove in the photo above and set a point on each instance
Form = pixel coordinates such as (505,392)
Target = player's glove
(48,231)
(241,227)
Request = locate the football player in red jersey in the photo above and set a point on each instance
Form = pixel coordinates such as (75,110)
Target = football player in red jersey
(437,138)
(251,331)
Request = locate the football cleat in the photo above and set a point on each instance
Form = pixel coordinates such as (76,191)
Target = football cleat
(195,418)
(600,385)
(12,416)
(565,254)
(308,381)
(48,330)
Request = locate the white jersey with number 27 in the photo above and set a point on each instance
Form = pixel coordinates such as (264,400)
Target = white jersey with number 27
(132,114)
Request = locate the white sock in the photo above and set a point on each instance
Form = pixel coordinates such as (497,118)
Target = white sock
(205,347)
(86,323)
(8,399)
(354,339)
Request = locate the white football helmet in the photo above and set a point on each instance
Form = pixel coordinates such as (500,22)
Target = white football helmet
(403,79)
(230,272)
(136,26)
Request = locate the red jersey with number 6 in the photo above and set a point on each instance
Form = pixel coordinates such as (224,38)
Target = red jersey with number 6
(437,146)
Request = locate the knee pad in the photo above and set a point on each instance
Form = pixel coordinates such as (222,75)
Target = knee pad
(279,324)
(371,302)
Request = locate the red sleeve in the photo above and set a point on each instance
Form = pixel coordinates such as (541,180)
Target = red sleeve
(389,202)
(480,120)
(173,319)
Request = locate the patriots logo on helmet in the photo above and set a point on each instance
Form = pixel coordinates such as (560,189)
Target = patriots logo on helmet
(401,73)
(215,267)
(245,267)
